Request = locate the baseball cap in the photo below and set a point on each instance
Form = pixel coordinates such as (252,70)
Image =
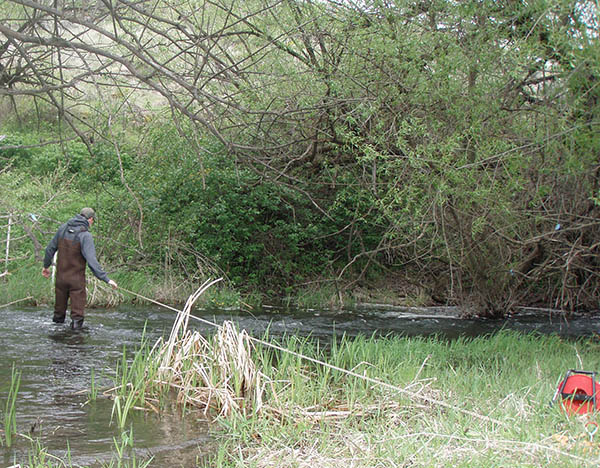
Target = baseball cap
(88,213)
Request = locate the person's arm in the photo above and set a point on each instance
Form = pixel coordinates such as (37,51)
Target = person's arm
(50,251)
(88,250)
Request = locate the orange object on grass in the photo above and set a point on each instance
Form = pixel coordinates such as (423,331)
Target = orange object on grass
(579,392)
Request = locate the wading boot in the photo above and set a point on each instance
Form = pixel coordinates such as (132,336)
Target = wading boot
(77,323)
(57,318)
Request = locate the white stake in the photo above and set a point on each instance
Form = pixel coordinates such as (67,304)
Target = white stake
(7,245)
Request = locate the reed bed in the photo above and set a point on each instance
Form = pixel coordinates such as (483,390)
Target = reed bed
(217,374)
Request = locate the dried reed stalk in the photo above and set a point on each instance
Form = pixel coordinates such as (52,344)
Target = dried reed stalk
(15,302)
(100,294)
(219,374)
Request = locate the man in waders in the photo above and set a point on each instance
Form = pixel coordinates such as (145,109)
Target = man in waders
(75,246)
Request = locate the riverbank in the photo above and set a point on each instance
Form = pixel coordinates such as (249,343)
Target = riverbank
(476,402)
(481,402)
(27,283)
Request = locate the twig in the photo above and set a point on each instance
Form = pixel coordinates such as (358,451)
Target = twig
(7,243)
(14,302)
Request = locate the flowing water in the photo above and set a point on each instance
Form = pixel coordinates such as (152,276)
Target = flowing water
(56,368)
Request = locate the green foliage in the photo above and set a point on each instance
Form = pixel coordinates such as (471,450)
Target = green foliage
(341,141)
(28,153)
(102,166)
(253,230)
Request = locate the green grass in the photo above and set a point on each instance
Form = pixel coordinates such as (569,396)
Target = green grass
(9,419)
(124,455)
(326,418)
(471,402)
(26,281)
(467,402)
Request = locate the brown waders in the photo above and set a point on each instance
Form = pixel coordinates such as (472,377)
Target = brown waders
(70,282)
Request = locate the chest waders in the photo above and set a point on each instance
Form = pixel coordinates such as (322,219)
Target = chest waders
(70,278)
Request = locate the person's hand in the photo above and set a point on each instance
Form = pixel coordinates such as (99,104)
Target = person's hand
(46,272)
(113,284)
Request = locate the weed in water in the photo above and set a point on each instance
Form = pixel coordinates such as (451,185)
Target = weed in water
(134,379)
(93,393)
(124,453)
(10,420)
(38,457)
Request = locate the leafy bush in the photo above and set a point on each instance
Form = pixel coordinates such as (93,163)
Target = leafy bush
(256,231)
(27,151)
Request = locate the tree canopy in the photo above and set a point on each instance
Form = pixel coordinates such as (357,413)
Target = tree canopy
(454,142)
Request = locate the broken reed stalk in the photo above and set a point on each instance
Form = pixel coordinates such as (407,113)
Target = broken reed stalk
(15,302)
(182,319)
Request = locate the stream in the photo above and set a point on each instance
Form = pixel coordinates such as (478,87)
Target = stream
(56,368)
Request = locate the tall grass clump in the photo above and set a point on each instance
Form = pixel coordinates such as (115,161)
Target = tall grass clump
(215,374)
(10,419)
(25,281)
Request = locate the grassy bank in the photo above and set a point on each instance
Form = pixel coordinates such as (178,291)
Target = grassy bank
(27,282)
(481,402)
(316,416)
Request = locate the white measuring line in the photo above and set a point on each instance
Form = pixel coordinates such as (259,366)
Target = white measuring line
(15,302)
(372,380)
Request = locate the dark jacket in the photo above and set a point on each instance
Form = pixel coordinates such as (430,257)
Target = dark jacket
(74,233)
